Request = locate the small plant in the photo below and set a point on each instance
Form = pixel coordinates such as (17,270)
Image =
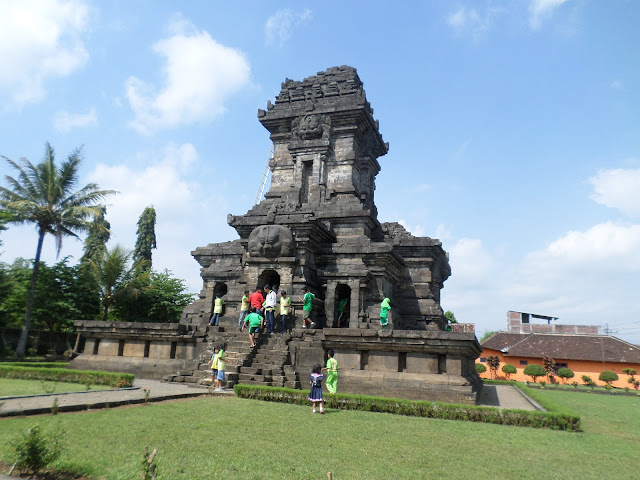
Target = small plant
(543,384)
(55,408)
(480,368)
(149,464)
(34,450)
(33,351)
(636,384)
(608,386)
(87,384)
(509,370)
(575,384)
(608,376)
(147,395)
(49,389)
(588,381)
(534,371)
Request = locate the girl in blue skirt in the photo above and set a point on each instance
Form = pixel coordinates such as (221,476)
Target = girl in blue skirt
(315,396)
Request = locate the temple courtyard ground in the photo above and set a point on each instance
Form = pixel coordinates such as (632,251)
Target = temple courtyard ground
(226,437)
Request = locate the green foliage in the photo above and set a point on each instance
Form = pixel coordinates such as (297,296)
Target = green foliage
(608,376)
(95,245)
(146,240)
(450,316)
(509,370)
(480,368)
(67,375)
(115,280)
(61,296)
(565,374)
(588,381)
(35,450)
(534,371)
(46,196)
(630,371)
(488,334)
(162,299)
(417,408)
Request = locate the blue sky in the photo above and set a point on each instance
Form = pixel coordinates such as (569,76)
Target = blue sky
(514,130)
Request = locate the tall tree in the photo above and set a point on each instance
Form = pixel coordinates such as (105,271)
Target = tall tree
(146,240)
(112,274)
(45,195)
(96,242)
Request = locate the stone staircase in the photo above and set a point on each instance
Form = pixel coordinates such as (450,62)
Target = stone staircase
(268,363)
(271,364)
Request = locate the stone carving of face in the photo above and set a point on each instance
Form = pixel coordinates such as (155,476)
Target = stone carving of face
(270,241)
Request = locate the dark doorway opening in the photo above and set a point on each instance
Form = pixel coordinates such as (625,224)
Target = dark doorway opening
(343,292)
(269,277)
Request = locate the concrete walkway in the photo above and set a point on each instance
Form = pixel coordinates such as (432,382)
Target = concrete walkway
(68,402)
(500,396)
(506,396)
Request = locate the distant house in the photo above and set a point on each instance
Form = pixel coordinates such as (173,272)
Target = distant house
(584,354)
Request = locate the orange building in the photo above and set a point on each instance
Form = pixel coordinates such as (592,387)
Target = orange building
(583,354)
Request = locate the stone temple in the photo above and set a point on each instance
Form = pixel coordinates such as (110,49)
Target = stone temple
(318,227)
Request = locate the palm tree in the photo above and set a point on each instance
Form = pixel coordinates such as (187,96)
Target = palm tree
(45,195)
(112,274)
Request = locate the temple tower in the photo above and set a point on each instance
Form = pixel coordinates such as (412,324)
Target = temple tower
(318,225)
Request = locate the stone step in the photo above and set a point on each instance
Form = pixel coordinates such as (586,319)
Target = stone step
(255,382)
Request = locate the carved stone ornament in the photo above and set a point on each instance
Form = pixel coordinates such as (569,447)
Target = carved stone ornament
(309,127)
(271,241)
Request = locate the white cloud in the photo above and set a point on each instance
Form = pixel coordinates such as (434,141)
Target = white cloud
(618,188)
(470,262)
(199,74)
(64,121)
(541,10)
(470,20)
(280,25)
(40,39)
(179,202)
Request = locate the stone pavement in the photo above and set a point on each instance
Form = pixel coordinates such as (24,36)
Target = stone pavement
(506,396)
(158,391)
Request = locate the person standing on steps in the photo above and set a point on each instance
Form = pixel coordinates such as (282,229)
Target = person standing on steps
(221,366)
(214,367)
(385,308)
(256,300)
(307,307)
(342,303)
(217,310)
(270,308)
(285,309)
(255,322)
(244,309)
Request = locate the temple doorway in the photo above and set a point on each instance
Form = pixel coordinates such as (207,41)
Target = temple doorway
(269,277)
(343,292)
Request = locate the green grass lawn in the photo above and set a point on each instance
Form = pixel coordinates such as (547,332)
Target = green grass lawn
(15,387)
(231,438)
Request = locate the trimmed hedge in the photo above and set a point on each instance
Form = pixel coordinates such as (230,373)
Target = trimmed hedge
(417,408)
(67,375)
(36,364)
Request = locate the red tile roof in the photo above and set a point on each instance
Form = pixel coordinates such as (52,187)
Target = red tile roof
(597,348)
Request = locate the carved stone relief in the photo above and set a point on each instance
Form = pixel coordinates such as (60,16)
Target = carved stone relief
(271,241)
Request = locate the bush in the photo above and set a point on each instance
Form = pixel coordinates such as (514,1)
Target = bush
(34,451)
(534,371)
(419,408)
(480,368)
(67,375)
(564,373)
(608,376)
(509,370)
